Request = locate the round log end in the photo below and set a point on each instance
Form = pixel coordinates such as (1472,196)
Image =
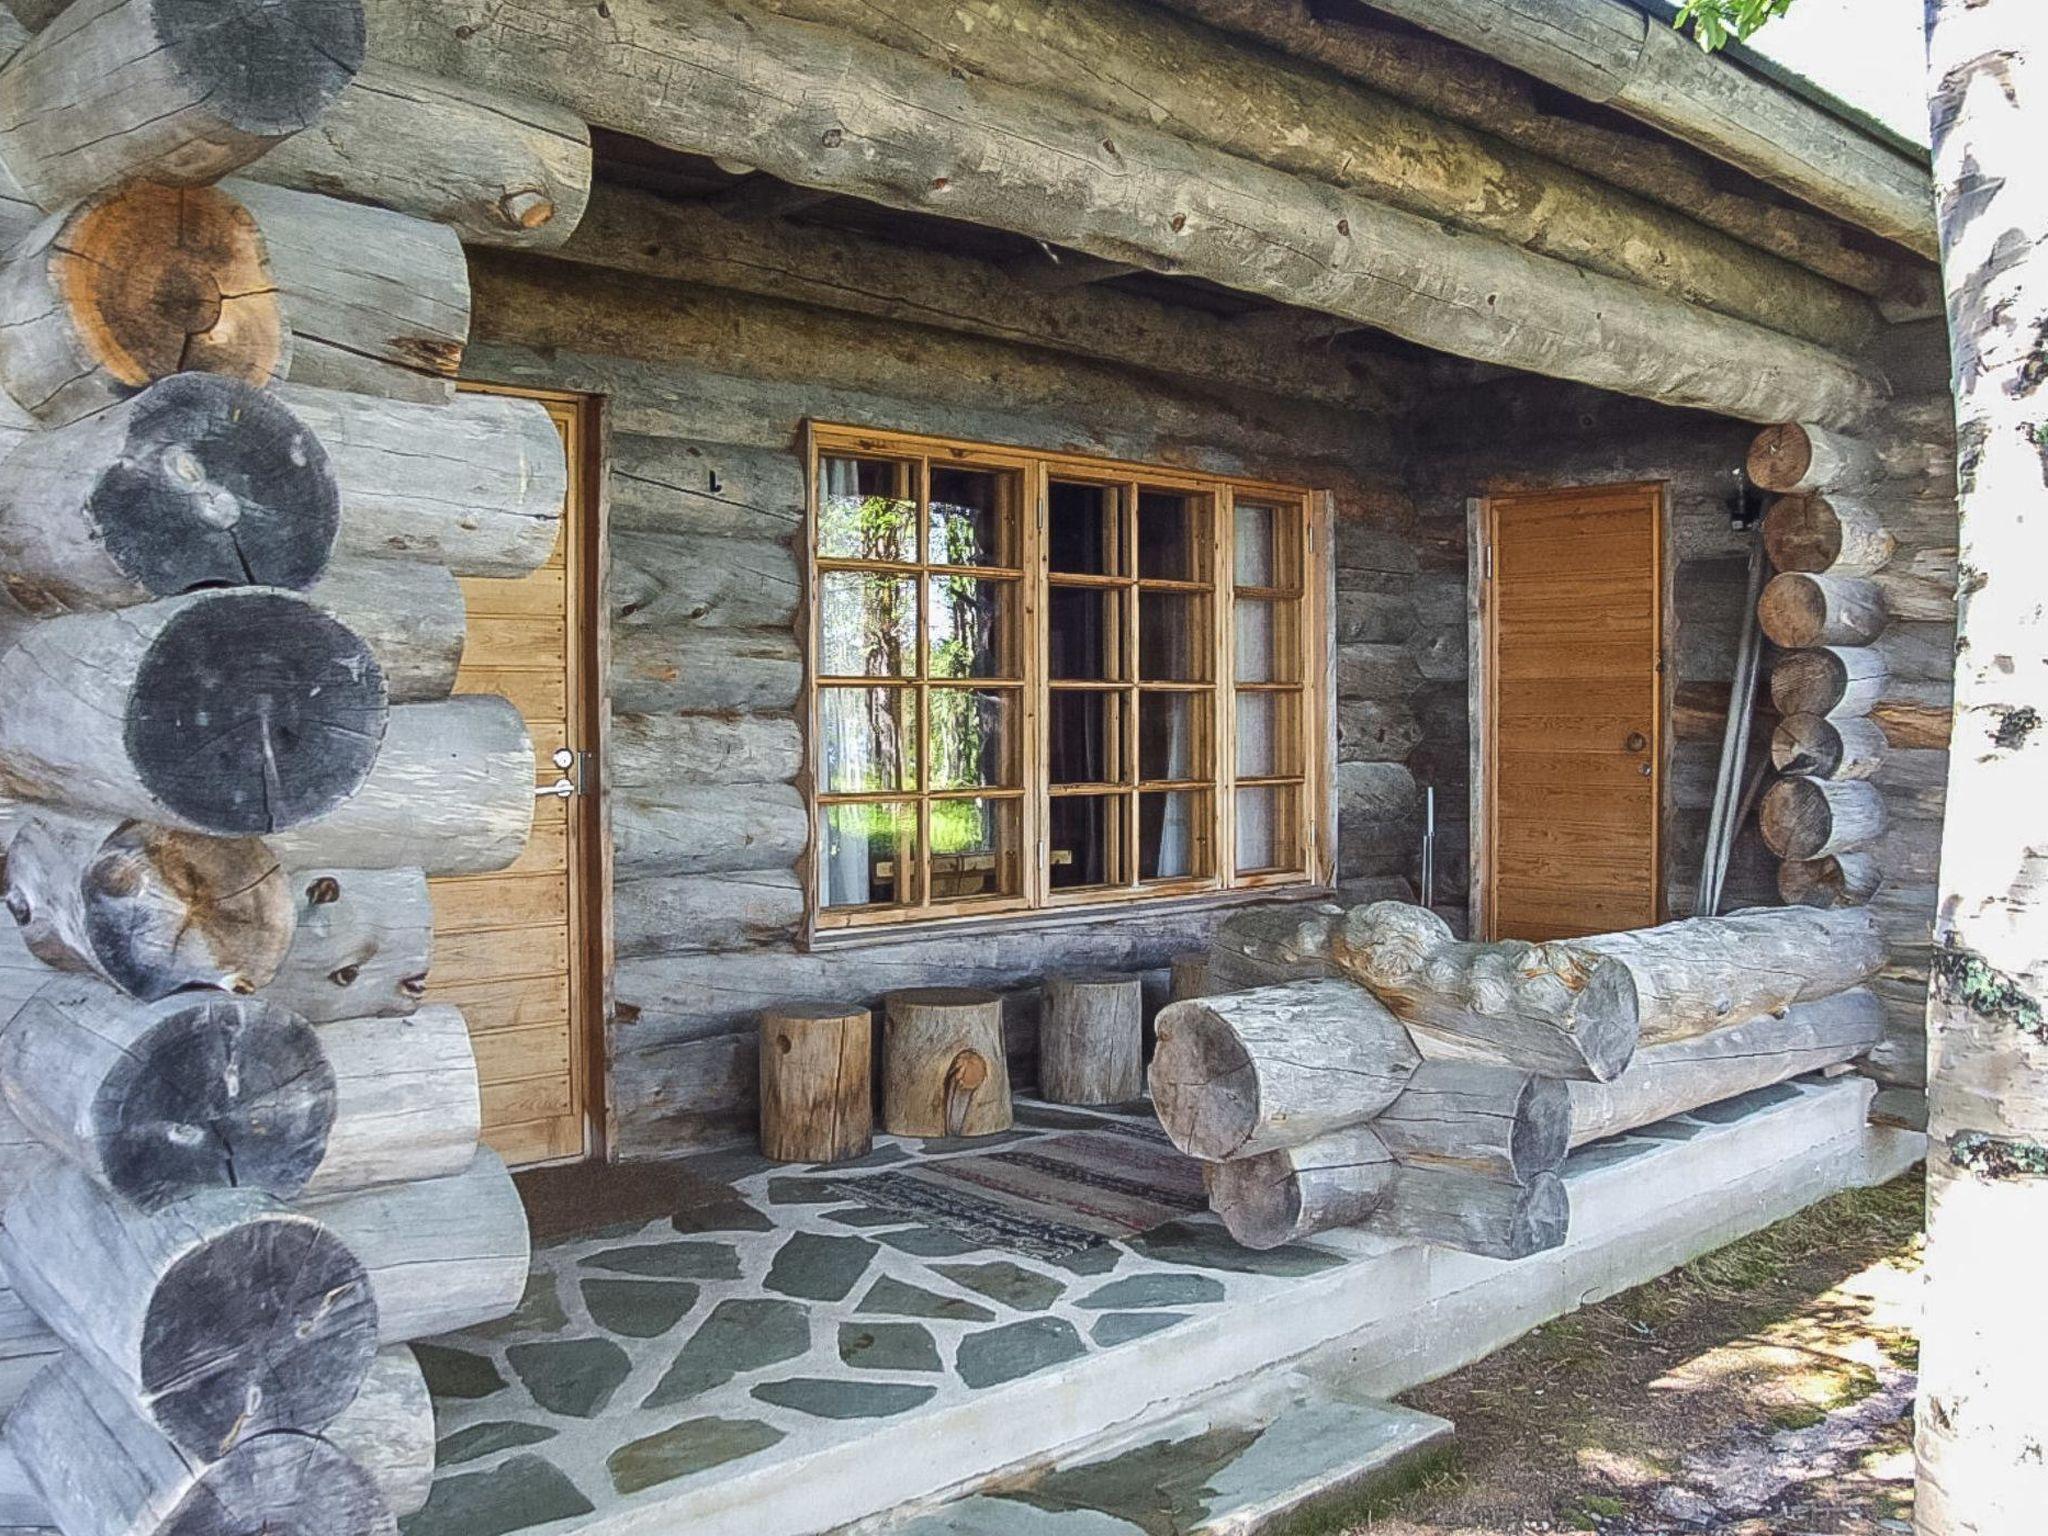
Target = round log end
(269,1325)
(167,910)
(159,280)
(1781,457)
(1806,744)
(1258,1199)
(1203,1086)
(1841,880)
(1808,682)
(273,68)
(1802,533)
(1543,1128)
(1542,1218)
(217,485)
(1793,610)
(253,712)
(224,1093)
(1606,1019)
(282,1485)
(1795,818)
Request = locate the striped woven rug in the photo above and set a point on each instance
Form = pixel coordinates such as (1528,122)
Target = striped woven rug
(1048,1198)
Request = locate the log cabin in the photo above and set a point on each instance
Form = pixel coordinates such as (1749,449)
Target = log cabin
(584,575)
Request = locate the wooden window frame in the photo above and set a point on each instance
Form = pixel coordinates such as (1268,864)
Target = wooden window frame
(1310,743)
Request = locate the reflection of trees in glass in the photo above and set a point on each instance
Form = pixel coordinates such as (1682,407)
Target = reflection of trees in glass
(854,527)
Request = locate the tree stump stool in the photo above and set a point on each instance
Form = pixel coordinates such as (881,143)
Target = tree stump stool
(943,1069)
(1091,1040)
(817,1083)
(1190,975)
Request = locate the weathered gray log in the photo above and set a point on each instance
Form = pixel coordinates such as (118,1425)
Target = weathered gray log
(104,1468)
(149,908)
(1483,1119)
(363,941)
(26,1346)
(1812,818)
(1798,458)
(155,1100)
(1677,1076)
(1834,680)
(388,1430)
(1839,880)
(1249,1072)
(411,616)
(228,712)
(199,481)
(476,485)
(1091,1047)
(405,1100)
(1560,1008)
(1277,1197)
(131,286)
(375,301)
(1490,1217)
(1706,973)
(498,170)
(1613,52)
(452,791)
(440,1254)
(1265,946)
(817,1083)
(221,1315)
(1828,747)
(673,915)
(1838,535)
(1799,610)
(897,139)
(120,90)
(944,1071)
(1190,976)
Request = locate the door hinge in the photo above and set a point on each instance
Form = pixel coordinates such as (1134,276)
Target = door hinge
(1486,563)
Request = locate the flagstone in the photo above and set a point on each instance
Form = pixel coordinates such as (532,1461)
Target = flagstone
(740,1335)
(695,1445)
(1154,1290)
(997,1355)
(819,1268)
(1026,1290)
(1205,1245)
(638,1309)
(825,1399)
(458,1373)
(514,1496)
(891,1297)
(480,1440)
(1114,1328)
(539,1310)
(670,1261)
(572,1377)
(888,1347)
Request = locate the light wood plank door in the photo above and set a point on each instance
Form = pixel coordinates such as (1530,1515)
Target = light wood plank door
(513,949)
(1571,607)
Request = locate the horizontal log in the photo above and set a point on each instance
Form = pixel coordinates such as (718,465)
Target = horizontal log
(362,943)
(1264,946)
(405,1100)
(713,831)
(1481,1119)
(199,481)
(103,1467)
(1448,1208)
(1610,51)
(898,140)
(476,485)
(1707,973)
(26,1347)
(1839,880)
(671,914)
(686,485)
(122,90)
(652,751)
(1920,587)
(74,344)
(412,617)
(375,301)
(108,710)
(1812,818)
(1789,458)
(688,670)
(150,909)
(221,1315)
(451,791)
(1799,610)
(1678,1076)
(441,1254)
(1828,747)
(498,170)
(1281,1196)
(1560,1008)
(672,579)
(1249,1072)
(388,1431)
(1838,535)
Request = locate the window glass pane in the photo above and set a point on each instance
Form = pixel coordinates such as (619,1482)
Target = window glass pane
(975,849)
(867,740)
(1084,529)
(1084,736)
(1173,536)
(973,739)
(1086,836)
(974,516)
(1173,637)
(1173,731)
(867,509)
(1254,564)
(1268,735)
(869,853)
(973,627)
(1266,641)
(1266,834)
(1173,834)
(867,625)
(1084,635)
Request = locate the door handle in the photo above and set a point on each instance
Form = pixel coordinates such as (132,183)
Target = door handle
(570,762)
(561,789)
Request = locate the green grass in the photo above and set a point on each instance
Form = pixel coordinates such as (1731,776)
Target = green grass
(1428,1476)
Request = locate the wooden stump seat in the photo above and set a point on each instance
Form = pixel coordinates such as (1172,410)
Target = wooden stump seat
(943,1069)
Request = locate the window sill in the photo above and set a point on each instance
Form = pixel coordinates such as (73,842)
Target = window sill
(1093,915)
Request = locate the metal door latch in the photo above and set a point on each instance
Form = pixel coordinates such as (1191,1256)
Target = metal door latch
(564,788)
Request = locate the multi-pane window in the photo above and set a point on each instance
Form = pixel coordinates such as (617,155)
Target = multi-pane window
(1042,681)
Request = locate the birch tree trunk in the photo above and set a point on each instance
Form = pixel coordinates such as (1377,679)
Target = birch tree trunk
(1982,1418)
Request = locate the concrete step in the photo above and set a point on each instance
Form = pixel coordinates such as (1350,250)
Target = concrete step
(1241,1463)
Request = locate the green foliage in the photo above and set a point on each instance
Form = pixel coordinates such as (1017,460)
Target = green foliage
(1715,21)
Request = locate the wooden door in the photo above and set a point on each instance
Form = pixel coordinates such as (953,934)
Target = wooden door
(1571,619)
(513,949)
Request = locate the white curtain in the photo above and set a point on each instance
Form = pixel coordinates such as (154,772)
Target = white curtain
(1176,825)
(847,866)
